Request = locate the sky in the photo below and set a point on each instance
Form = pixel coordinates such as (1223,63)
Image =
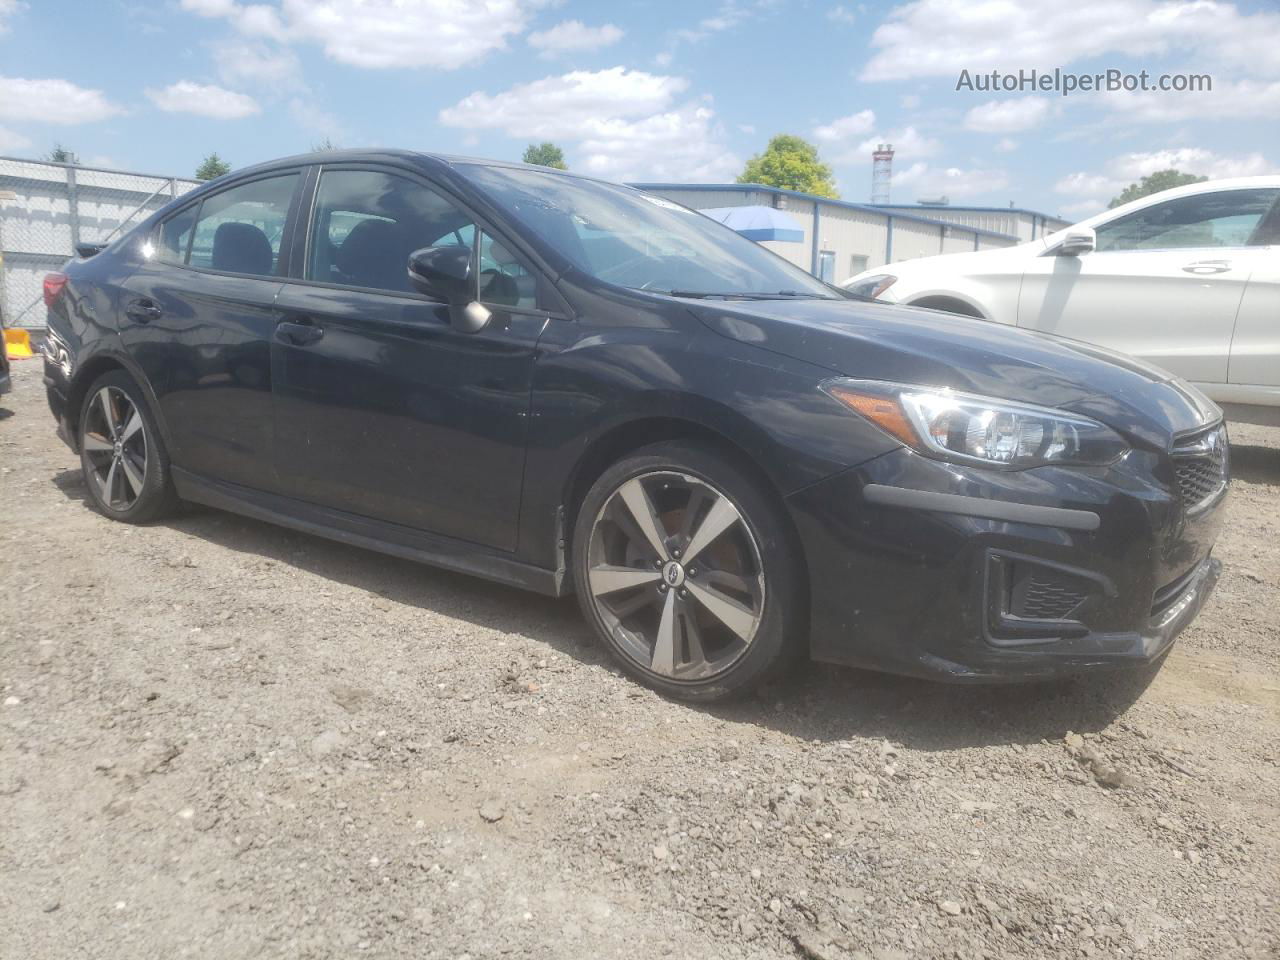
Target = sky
(657,90)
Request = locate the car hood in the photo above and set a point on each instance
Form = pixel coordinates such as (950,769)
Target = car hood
(927,347)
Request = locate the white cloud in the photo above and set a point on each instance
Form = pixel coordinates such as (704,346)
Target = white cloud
(1095,189)
(1007,116)
(444,34)
(567,106)
(257,66)
(205,100)
(622,122)
(846,127)
(941,37)
(1005,145)
(728,15)
(909,101)
(1190,160)
(311,116)
(254,19)
(952,182)
(1226,101)
(7,9)
(680,145)
(907,142)
(12,140)
(52,101)
(573,36)
(841,14)
(747,128)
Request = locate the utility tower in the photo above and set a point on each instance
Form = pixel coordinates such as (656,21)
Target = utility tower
(881,172)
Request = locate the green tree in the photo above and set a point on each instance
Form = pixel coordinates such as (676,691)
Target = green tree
(791,163)
(60,154)
(545,154)
(1160,180)
(211,167)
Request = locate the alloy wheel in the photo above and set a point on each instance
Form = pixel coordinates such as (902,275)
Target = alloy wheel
(675,575)
(115,444)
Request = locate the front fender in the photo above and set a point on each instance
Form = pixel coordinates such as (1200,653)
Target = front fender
(588,384)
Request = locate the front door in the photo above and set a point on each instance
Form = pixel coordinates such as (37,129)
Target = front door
(383,408)
(1164,283)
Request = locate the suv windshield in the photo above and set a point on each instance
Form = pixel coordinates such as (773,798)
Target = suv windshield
(640,241)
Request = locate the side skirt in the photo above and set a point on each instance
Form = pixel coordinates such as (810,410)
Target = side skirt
(389,538)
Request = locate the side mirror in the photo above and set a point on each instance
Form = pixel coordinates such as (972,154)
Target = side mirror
(444,273)
(1079,241)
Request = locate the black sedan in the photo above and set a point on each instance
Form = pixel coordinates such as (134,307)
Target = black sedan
(570,386)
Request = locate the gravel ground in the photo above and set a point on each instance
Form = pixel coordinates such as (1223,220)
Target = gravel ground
(226,740)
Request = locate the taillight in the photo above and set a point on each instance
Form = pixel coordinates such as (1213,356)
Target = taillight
(53,285)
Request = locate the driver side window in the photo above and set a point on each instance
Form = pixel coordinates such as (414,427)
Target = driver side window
(366,223)
(1227,218)
(504,280)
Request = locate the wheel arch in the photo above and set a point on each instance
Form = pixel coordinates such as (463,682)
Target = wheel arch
(949,302)
(94,367)
(625,438)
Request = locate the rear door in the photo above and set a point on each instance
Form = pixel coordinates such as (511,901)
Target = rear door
(199,316)
(1165,282)
(383,408)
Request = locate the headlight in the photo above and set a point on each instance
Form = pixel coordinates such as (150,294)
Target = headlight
(970,429)
(872,286)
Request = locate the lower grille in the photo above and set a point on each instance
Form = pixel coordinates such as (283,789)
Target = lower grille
(1044,594)
(1201,466)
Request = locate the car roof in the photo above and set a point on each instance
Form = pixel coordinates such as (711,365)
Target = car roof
(415,157)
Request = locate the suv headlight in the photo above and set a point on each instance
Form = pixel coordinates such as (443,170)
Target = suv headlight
(872,286)
(965,428)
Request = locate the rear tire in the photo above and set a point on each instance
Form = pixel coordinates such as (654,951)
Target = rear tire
(689,573)
(126,467)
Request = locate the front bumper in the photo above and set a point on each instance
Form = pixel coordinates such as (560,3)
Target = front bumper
(932,569)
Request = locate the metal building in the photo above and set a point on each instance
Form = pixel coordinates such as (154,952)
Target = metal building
(1014,221)
(841,239)
(47,208)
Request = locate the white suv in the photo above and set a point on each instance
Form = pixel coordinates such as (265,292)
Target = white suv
(1188,279)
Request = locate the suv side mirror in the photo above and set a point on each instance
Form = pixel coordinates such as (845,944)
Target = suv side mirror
(444,273)
(1079,241)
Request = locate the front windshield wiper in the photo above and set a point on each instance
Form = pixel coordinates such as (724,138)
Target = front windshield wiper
(732,295)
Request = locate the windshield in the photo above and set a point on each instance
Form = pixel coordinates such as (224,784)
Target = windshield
(639,241)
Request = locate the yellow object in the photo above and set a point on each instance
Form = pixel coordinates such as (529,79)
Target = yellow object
(17,344)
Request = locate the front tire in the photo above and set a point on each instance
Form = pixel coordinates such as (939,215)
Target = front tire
(688,572)
(126,467)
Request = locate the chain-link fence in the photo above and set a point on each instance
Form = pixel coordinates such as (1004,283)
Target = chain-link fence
(48,208)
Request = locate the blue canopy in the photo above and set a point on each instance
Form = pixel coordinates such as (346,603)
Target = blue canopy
(758,223)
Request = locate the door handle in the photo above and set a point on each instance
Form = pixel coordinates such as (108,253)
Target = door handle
(144,310)
(1207,267)
(299,333)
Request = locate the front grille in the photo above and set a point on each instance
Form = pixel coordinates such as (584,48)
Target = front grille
(1200,464)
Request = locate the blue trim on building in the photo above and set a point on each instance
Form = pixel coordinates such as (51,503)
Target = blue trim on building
(880,209)
(773,233)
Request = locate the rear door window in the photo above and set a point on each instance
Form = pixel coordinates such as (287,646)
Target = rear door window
(240,229)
